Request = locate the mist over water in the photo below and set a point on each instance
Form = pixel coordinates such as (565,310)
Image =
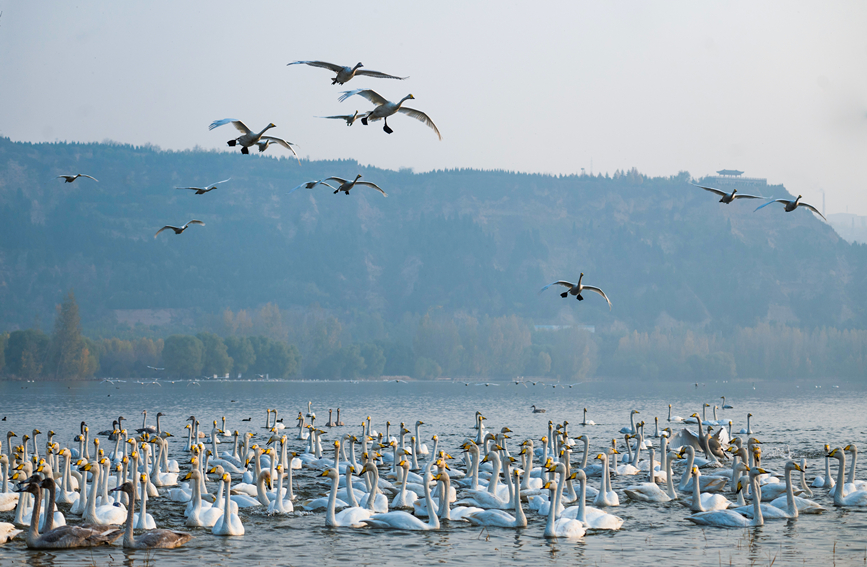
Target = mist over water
(789,418)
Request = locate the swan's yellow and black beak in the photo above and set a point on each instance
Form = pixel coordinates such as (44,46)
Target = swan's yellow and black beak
(325,472)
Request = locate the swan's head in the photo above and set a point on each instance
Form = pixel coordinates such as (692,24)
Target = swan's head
(695,415)
(791,465)
(226,477)
(549,486)
(272,125)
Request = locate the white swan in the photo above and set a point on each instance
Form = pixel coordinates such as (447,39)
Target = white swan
(606,496)
(249,138)
(499,518)
(727,197)
(705,502)
(825,481)
(142,520)
(856,498)
(347,518)
(400,520)
(349,118)
(345,74)
(586,421)
(592,518)
(344,186)
(202,190)
(280,504)
(648,491)
(562,527)
(71,178)
(577,289)
(730,518)
(200,516)
(106,515)
(747,430)
(178,229)
(792,205)
(229,523)
(385,108)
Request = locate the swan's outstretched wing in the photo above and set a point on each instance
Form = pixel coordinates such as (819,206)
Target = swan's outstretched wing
(89,177)
(770,202)
(745,196)
(194,222)
(564,283)
(375,186)
(711,189)
(812,208)
(600,292)
(321,64)
(369,94)
(310,185)
(337,179)
(420,116)
(236,123)
(683,438)
(341,117)
(282,142)
(168,226)
(377,74)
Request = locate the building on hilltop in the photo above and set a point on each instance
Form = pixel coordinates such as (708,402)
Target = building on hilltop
(733,177)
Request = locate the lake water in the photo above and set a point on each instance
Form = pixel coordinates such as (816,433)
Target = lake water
(785,417)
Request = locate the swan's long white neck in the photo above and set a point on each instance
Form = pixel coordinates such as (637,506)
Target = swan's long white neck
(841,471)
(495,475)
(669,483)
(330,520)
(792,509)
(854,450)
(696,494)
(555,503)
(687,472)
(758,519)
(374,486)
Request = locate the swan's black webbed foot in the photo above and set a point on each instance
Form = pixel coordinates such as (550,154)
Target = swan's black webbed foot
(232,143)
(564,294)
(580,298)
(364,120)
(386,129)
(245,150)
(347,193)
(336,190)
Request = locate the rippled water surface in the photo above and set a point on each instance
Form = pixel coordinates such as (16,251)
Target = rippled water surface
(785,417)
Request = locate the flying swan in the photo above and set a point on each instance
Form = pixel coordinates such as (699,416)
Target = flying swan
(385,108)
(792,205)
(205,189)
(179,230)
(577,289)
(249,138)
(344,74)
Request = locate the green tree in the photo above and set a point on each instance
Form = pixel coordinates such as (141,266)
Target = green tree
(183,355)
(26,352)
(216,360)
(374,359)
(426,369)
(399,359)
(240,349)
(275,358)
(69,353)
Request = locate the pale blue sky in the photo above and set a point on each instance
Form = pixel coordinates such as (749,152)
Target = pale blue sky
(777,89)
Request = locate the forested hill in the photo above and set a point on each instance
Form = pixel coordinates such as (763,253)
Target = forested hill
(480,241)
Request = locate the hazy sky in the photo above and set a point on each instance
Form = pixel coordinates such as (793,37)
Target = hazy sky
(777,89)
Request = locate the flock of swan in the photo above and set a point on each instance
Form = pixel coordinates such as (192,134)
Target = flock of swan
(99,489)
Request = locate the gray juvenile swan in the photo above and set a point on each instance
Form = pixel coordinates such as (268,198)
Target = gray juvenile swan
(65,537)
(151,539)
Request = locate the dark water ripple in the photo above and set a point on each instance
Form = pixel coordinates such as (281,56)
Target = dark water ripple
(796,418)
